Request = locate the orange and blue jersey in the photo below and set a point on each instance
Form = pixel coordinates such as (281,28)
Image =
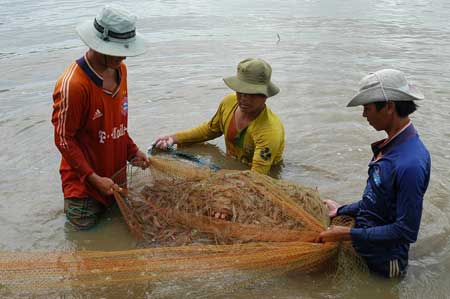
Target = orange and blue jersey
(90,128)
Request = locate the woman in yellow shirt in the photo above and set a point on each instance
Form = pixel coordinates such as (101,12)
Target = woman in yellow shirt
(253,133)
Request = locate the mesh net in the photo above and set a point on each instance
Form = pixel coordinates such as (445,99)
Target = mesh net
(266,227)
(174,203)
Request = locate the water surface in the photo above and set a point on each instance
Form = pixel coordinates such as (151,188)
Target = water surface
(318,50)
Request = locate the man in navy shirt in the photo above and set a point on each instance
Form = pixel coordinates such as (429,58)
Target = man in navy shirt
(388,215)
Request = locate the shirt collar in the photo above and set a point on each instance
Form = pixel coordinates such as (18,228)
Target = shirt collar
(95,77)
(385,145)
(83,62)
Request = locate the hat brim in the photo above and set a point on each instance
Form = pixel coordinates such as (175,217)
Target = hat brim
(89,36)
(235,84)
(375,94)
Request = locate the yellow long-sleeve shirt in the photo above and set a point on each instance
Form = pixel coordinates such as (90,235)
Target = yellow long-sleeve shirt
(261,144)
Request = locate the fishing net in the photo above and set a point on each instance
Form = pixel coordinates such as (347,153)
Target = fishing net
(174,203)
(264,227)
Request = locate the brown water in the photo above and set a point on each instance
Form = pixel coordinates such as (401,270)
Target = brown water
(323,49)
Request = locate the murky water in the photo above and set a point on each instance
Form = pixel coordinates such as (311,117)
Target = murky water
(318,50)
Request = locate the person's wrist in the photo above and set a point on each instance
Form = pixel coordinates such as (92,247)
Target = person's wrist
(346,233)
(337,211)
(93,178)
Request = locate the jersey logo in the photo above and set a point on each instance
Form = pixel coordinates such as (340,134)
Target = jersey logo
(97,114)
(376,176)
(125,105)
(101,136)
(265,154)
(115,133)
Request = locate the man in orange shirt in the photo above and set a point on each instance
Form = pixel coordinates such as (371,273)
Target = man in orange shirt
(90,116)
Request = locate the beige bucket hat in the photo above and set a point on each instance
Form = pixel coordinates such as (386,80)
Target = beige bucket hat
(383,86)
(253,77)
(113,33)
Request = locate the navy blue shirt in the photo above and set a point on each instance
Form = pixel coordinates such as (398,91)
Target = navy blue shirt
(388,216)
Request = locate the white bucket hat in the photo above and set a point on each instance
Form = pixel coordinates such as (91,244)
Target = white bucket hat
(383,86)
(113,33)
